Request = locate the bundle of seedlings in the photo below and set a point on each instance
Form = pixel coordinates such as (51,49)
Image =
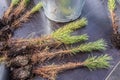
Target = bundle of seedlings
(116,34)
(18,63)
(7,31)
(50,72)
(52,40)
(9,11)
(87,47)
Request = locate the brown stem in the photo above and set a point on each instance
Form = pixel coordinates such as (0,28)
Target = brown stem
(69,66)
(42,57)
(19,9)
(51,71)
(7,13)
(64,52)
(30,42)
(114,24)
(17,23)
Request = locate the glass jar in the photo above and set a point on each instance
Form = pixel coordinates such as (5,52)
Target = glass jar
(63,10)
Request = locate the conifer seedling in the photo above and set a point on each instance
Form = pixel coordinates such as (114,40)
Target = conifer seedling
(59,34)
(53,39)
(50,71)
(87,47)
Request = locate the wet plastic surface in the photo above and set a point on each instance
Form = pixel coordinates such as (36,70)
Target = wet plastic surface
(98,27)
